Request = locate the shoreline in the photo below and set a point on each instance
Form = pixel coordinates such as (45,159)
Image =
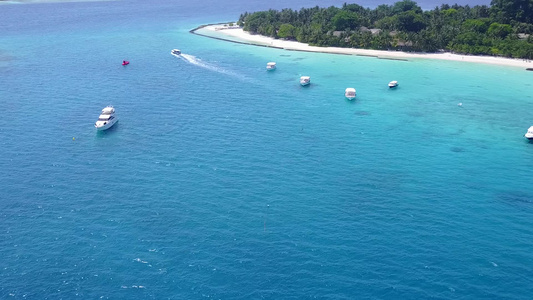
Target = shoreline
(222,31)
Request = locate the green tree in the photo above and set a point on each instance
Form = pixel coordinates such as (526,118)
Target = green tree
(345,20)
(411,21)
(388,23)
(507,10)
(253,21)
(478,25)
(287,31)
(464,29)
(406,5)
(381,12)
(499,30)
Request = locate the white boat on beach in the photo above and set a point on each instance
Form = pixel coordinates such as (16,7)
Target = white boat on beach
(175,52)
(349,93)
(529,134)
(393,84)
(271,66)
(106,119)
(305,80)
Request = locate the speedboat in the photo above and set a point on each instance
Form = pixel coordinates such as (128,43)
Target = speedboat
(393,84)
(125,62)
(106,119)
(349,93)
(305,80)
(175,52)
(271,66)
(529,134)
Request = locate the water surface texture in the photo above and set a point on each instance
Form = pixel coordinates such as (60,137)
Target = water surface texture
(222,180)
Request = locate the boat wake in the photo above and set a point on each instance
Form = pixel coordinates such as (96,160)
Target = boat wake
(198,62)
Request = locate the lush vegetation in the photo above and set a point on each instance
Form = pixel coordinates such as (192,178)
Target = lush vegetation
(503,29)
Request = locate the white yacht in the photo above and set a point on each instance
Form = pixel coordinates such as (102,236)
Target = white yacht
(305,80)
(106,119)
(175,52)
(529,133)
(393,84)
(271,66)
(349,93)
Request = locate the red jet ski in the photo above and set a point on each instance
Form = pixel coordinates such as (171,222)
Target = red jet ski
(125,62)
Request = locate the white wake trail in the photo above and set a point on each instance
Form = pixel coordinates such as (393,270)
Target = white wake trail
(198,62)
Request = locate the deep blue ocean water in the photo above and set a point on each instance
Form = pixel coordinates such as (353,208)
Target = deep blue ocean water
(224,181)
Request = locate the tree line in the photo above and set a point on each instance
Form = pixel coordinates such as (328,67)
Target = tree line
(505,28)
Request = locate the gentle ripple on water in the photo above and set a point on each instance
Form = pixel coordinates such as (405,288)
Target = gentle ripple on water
(227,181)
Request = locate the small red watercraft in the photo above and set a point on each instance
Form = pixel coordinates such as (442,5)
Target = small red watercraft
(125,62)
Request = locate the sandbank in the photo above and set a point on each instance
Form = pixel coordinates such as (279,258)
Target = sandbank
(236,34)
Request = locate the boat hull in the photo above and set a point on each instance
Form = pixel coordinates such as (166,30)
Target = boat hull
(105,126)
(529,134)
(350,93)
(305,80)
(271,66)
(350,96)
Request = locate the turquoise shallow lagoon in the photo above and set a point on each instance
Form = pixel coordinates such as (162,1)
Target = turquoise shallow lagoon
(222,180)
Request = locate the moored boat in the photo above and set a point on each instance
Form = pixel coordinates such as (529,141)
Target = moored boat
(529,134)
(393,84)
(305,80)
(349,93)
(106,119)
(271,66)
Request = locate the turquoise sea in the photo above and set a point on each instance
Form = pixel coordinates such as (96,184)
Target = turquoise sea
(225,181)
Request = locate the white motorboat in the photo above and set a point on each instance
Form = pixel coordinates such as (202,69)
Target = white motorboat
(175,52)
(271,66)
(349,93)
(393,84)
(305,80)
(106,119)
(529,133)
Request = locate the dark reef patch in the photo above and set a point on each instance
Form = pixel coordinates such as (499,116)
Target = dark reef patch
(457,149)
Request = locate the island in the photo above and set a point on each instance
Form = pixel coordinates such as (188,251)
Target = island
(480,34)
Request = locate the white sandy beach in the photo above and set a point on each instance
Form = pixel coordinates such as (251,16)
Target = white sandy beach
(220,31)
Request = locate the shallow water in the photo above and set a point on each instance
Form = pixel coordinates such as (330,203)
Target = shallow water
(222,180)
